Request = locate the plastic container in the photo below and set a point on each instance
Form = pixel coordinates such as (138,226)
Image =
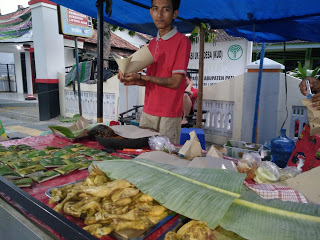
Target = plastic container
(238,149)
(281,149)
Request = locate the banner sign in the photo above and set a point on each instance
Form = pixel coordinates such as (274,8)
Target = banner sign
(73,23)
(222,61)
(15,24)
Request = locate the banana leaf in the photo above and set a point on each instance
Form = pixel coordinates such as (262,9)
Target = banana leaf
(23,182)
(200,194)
(253,217)
(44,176)
(205,194)
(63,130)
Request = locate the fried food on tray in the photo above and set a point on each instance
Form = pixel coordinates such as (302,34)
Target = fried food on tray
(102,131)
(193,230)
(107,205)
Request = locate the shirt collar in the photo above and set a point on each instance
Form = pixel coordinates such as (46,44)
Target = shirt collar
(168,35)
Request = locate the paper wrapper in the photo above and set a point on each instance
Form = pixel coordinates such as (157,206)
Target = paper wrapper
(191,148)
(132,132)
(307,183)
(136,62)
(313,117)
(81,123)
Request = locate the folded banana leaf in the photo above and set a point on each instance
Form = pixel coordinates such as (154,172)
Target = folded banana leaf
(45,176)
(67,168)
(9,158)
(52,162)
(30,170)
(21,147)
(23,182)
(21,163)
(6,154)
(218,197)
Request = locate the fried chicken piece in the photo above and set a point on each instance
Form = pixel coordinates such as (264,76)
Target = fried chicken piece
(92,228)
(106,189)
(195,230)
(141,224)
(124,193)
(86,200)
(156,219)
(70,195)
(67,209)
(129,216)
(103,231)
(145,198)
(171,236)
(156,211)
(96,177)
(123,202)
(56,195)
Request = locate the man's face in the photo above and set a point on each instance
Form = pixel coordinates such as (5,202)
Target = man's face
(162,15)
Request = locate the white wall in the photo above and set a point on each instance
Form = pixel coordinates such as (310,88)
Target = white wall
(6,58)
(229,90)
(69,57)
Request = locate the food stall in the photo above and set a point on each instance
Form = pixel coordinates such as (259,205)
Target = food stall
(131,199)
(215,196)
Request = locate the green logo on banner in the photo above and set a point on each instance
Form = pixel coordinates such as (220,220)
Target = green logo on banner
(235,52)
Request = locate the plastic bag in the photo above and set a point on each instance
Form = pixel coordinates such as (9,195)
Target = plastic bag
(267,172)
(291,171)
(161,143)
(249,164)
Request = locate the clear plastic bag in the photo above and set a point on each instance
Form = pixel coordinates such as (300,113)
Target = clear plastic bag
(249,164)
(291,171)
(267,172)
(161,143)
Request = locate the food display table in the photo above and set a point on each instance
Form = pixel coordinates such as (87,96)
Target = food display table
(32,203)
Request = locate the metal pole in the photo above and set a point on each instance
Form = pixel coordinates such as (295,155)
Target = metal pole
(200,85)
(8,76)
(100,62)
(77,74)
(256,110)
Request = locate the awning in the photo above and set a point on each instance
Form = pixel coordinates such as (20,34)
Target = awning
(259,20)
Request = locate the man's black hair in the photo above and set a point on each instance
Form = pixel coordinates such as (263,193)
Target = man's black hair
(188,75)
(175,4)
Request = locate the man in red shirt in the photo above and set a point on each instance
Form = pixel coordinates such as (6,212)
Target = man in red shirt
(189,97)
(165,78)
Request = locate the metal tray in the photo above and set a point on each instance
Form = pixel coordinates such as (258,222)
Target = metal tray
(143,234)
(48,194)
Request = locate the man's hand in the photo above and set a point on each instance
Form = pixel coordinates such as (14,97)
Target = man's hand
(120,76)
(130,79)
(316,101)
(314,85)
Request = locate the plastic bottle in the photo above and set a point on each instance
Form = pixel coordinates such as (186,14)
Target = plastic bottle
(281,149)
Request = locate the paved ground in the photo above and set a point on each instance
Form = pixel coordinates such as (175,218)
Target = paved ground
(20,122)
(21,118)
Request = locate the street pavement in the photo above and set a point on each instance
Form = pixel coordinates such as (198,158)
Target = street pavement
(23,121)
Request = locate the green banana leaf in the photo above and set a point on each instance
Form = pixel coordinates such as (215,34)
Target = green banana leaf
(64,130)
(253,217)
(200,194)
(218,197)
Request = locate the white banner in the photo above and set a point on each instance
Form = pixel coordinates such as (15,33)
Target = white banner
(222,60)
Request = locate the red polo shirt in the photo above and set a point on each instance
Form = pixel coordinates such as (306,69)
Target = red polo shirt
(171,54)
